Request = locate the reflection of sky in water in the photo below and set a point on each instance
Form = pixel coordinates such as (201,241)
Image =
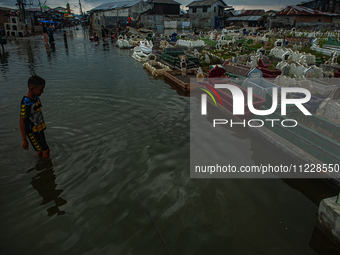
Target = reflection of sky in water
(119,143)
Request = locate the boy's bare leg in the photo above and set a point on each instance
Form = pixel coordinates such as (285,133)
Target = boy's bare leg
(46,153)
(38,154)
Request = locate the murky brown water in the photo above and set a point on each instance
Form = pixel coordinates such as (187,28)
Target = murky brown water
(118,180)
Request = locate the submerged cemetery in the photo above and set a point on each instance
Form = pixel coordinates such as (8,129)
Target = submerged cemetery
(254,58)
(206,131)
(261,60)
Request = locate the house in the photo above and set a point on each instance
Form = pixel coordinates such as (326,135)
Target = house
(109,14)
(15,27)
(247,18)
(332,6)
(4,15)
(165,7)
(303,17)
(257,12)
(59,8)
(207,13)
(271,12)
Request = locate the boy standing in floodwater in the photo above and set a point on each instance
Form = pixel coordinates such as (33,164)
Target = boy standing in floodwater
(32,123)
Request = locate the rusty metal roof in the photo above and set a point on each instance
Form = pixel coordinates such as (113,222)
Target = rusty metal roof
(252,13)
(115,5)
(301,10)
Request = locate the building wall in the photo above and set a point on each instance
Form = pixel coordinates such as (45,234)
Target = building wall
(172,9)
(336,20)
(3,17)
(202,19)
(111,17)
(324,5)
(316,22)
(160,22)
(313,19)
(15,27)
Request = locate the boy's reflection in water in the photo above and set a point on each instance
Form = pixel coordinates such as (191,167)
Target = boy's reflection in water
(4,57)
(44,183)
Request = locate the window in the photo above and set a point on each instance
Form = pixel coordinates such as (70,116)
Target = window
(319,20)
(205,9)
(194,10)
(215,9)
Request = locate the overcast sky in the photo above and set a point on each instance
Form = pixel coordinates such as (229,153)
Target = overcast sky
(90,4)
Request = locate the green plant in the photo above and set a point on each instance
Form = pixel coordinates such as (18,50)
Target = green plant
(322,41)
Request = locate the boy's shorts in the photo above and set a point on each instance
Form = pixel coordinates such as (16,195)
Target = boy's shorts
(38,141)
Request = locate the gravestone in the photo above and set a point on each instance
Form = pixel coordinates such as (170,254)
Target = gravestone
(196,53)
(285,70)
(173,37)
(254,73)
(264,62)
(309,73)
(207,59)
(182,58)
(200,75)
(286,57)
(235,59)
(262,51)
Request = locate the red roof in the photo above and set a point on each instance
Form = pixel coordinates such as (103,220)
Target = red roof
(301,10)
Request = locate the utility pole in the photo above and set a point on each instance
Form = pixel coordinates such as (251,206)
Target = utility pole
(81,11)
(21,4)
(40,6)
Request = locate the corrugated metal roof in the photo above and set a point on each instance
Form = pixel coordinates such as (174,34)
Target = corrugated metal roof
(252,13)
(115,5)
(165,2)
(201,3)
(236,13)
(244,18)
(301,10)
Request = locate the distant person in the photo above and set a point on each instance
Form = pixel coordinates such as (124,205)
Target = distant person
(2,43)
(65,37)
(45,34)
(103,32)
(32,124)
(129,19)
(113,37)
(32,30)
(106,32)
(96,38)
(119,28)
(50,35)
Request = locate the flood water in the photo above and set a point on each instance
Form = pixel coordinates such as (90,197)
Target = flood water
(118,179)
